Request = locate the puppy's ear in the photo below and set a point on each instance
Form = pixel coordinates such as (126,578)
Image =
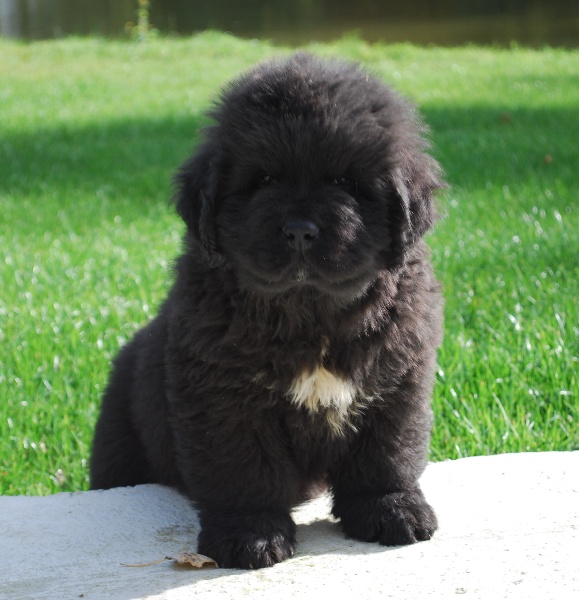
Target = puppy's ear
(414,183)
(195,201)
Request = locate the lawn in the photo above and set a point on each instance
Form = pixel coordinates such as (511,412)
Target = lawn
(90,134)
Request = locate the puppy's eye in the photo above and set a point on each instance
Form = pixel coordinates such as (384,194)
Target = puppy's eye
(265,180)
(343,181)
(346,183)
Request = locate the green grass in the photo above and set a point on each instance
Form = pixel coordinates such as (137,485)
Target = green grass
(90,133)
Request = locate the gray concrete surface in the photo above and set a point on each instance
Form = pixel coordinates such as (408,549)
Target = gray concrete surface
(508,529)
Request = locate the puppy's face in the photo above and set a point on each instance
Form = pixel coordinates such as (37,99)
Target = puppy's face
(313,176)
(291,215)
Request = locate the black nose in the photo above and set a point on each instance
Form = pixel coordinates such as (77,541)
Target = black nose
(300,234)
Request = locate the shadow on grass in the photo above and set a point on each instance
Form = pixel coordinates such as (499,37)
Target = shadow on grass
(466,139)
(135,157)
(482,146)
(477,146)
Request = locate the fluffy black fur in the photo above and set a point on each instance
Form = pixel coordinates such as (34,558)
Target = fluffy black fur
(297,346)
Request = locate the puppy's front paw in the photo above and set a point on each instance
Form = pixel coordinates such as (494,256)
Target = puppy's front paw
(391,520)
(247,541)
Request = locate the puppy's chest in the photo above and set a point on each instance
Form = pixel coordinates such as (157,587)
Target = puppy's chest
(318,389)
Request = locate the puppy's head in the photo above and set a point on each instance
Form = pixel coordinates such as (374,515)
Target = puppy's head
(314,174)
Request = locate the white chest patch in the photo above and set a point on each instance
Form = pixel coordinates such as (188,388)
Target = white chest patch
(323,389)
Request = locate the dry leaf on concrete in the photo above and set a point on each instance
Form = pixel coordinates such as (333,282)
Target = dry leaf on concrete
(198,561)
(190,559)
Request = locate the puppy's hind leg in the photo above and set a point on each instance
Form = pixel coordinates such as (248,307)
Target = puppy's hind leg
(118,457)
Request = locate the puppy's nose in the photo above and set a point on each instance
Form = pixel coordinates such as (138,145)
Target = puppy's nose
(300,234)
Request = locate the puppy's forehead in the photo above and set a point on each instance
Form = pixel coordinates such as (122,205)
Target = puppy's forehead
(307,88)
(305,107)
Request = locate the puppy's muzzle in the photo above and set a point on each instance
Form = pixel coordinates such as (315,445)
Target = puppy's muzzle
(300,234)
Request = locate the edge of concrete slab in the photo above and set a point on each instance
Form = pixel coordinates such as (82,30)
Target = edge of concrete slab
(508,529)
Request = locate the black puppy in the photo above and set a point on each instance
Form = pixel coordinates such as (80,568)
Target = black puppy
(297,346)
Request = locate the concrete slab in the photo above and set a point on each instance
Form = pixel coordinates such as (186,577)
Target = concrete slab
(508,529)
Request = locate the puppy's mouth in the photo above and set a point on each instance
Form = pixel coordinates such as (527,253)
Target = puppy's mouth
(302,275)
